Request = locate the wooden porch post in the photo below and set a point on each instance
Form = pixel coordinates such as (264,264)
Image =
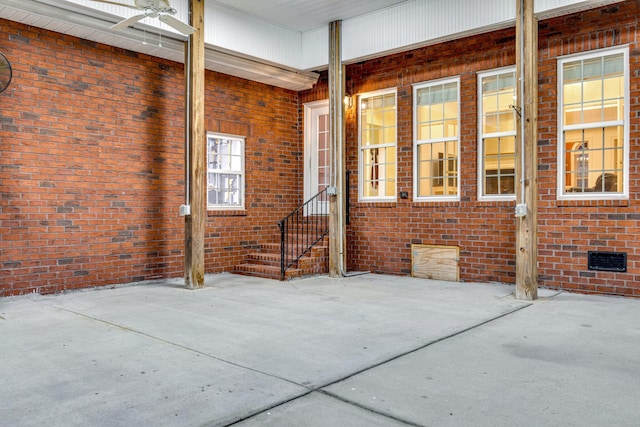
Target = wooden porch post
(337,208)
(526,152)
(195,156)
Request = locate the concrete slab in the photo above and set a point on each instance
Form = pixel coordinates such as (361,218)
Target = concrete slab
(365,350)
(571,361)
(312,332)
(63,369)
(319,410)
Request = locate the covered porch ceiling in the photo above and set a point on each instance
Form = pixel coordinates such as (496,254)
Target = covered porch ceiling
(284,43)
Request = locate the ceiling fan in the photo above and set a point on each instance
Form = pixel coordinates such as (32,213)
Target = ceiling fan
(160,9)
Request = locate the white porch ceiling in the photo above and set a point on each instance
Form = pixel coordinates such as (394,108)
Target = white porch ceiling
(305,15)
(282,42)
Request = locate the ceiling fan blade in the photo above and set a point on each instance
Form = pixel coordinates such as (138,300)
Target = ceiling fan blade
(177,24)
(130,6)
(129,21)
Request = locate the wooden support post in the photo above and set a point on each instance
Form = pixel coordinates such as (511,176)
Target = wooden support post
(195,156)
(337,208)
(526,152)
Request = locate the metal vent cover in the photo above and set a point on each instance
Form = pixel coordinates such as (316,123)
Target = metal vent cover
(608,261)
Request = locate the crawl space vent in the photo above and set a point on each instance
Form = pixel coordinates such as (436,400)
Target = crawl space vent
(435,262)
(608,261)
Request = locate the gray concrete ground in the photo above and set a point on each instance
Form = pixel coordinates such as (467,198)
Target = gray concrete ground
(369,350)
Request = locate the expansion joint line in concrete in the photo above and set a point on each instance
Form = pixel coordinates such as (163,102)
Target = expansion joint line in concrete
(321,388)
(309,389)
(181,346)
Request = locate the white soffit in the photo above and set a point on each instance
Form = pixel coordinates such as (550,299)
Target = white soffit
(93,24)
(306,15)
(246,44)
(423,22)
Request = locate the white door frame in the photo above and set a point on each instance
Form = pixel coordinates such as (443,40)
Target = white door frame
(311,112)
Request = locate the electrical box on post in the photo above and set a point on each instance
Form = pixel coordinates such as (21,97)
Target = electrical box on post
(185,210)
(521,210)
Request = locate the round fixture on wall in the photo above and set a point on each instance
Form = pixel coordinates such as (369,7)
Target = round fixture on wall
(5,72)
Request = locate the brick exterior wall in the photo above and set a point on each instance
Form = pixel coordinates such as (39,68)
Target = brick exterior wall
(92,164)
(380,234)
(569,229)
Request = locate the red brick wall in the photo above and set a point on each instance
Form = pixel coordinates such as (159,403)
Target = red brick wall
(569,229)
(91,165)
(92,160)
(268,117)
(380,234)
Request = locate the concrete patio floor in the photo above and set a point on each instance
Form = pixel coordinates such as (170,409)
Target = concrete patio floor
(367,350)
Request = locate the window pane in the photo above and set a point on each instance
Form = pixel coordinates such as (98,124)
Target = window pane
(451,110)
(613,88)
(499,164)
(593,92)
(498,152)
(506,122)
(378,136)
(572,93)
(489,84)
(437,112)
(594,160)
(389,134)
(437,162)
(429,170)
(423,113)
(592,68)
(491,146)
(378,128)
(505,99)
(224,176)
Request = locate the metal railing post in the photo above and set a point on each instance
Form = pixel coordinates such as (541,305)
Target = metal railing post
(295,246)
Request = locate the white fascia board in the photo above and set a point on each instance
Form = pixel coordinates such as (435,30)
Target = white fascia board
(423,22)
(315,49)
(95,26)
(225,28)
(549,8)
(234,31)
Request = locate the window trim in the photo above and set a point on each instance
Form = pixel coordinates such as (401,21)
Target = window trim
(416,144)
(361,197)
(560,187)
(241,206)
(480,136)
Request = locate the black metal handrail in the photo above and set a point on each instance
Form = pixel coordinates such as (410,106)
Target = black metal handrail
(302,229)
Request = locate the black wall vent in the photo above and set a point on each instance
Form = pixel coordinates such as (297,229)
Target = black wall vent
(608,261)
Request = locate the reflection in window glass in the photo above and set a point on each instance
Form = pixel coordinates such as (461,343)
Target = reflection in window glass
(378,134)
(497,133)
(593,123)
(225,170)
(436,130)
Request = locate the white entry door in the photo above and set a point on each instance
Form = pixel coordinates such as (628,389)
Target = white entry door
(317,153)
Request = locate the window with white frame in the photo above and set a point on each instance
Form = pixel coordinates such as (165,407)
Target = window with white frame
(377,145)
(225,172)
(497,134)
(436,141)
(593,125)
